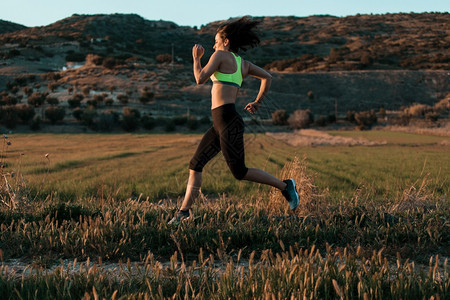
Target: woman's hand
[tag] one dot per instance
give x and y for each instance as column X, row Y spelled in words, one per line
column 198, row 51
column 252, row 107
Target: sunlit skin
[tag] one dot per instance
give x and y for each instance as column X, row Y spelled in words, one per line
column 223, row 61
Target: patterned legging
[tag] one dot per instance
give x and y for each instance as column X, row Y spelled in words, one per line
column 226, row 135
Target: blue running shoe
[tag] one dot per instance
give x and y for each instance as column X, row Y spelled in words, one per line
column 290, row 193
column 181, row 216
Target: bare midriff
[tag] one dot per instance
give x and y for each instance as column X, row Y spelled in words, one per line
column 222, row 94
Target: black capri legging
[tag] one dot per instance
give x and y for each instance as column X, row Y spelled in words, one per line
column 226, row 135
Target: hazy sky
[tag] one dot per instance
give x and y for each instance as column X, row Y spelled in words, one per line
column 199, row 12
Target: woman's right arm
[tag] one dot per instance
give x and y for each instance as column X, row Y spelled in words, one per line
column 202, row 74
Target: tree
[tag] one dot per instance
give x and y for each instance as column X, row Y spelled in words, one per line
column 52, row 101
column 9, row 116
column 75, row 101
column 365, row 119
column 146, row 96
column 300, row 119
column 122, row 98
column 25, row 112
column 280, row 117
column 37, row 99
column 109, row 63
column 55, row 114
column 27, row 90
column 130, row 119
column 52, row 86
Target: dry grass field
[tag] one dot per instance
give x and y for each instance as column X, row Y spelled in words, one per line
column 92, row 211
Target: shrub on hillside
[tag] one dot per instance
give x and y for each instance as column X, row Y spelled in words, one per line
column 401, row 120
column 51, row 76
column 417, row 110
column 92, row 103
column 52, row 101
column 280, row 117
column 27, row 90
column 77, row 113
column 14, row 89
column 109, row 63
column 443, row 105
column 109, row 101
column 9, row 116
column 148, row 122
column 75, row 101
column 351, row 116
column 107, row 120
column 52, row 86
column 94, row 59
column 432, row 116
column 146, row 96
column 365, row 119
column 88, row 117
column 55, row 114
column 37, row 99
column 112, row 88
column 7, row 99
column 164, row 58
column 130, row 119
column 321, row 121
column 122, row 98
column 300, row 119
column 99, row 98
column 25, row 112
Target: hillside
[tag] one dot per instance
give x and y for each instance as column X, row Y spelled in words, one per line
column 6, row 27
column 316, row 43
column 323, row 63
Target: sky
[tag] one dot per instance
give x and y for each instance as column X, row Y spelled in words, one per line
column 200, row 12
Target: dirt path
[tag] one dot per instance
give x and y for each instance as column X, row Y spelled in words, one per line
column 311, row 137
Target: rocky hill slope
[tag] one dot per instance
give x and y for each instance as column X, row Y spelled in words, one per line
column 6, row 27
column 316, row 43
column 323, row 63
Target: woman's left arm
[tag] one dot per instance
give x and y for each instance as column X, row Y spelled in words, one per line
column 266, row 80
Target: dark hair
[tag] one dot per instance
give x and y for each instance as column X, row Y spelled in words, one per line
column 240, row 33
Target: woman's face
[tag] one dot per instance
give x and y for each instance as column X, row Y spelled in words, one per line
column 220, row 43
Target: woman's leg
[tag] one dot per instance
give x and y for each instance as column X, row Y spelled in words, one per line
column 208, row 147
column 231, row 129
column 192, row 189
column 260, row 176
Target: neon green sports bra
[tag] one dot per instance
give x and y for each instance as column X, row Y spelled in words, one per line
column 234, row 79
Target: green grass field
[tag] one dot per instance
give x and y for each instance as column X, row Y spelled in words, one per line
column 157, row 165
column 373, row 222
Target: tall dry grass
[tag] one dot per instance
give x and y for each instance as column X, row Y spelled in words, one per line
column 311, row 197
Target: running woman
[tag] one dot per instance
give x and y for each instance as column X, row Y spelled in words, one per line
column 227, row 69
